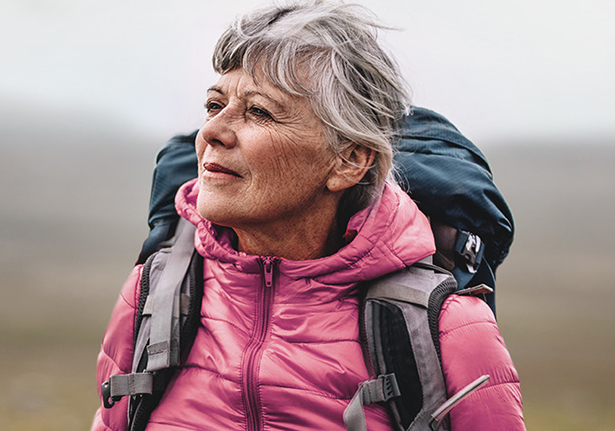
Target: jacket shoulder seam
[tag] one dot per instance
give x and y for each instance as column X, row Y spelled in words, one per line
column 465, row 325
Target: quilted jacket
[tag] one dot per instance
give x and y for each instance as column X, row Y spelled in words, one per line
column 278, row 345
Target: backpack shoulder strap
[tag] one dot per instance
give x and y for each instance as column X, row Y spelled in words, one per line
column 166, row 323
column 399, row 325
column 163, row 347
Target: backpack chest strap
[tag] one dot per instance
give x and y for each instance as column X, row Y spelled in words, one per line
column 120, row 385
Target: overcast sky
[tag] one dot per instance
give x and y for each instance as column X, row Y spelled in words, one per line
column 500, row 70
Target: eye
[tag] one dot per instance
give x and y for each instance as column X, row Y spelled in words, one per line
column 260, row 113
column 212, row 107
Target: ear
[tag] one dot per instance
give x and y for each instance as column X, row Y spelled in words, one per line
column 352, row 165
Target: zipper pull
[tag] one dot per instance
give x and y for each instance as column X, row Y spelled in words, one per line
column 448, row 405
column 268, row 270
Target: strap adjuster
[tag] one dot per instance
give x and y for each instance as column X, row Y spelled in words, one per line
column 120, row 385
column 378, row 390
column 108, row 400
column 470, row 247
column 390, row 388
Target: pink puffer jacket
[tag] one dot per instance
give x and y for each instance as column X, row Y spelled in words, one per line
column 278, row 346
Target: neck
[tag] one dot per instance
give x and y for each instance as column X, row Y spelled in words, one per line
column 309, row 238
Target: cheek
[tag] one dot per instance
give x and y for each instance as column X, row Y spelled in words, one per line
column 299, row 154
column 273, row 158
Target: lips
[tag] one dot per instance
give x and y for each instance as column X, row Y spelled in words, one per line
column 216, row 168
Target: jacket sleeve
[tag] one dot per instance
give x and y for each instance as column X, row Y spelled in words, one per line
column 116, row 352
column 471, row 345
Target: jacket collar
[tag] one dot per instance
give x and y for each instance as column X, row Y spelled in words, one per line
column 390, row 234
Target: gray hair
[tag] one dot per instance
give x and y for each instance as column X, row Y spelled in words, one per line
column 358, row 93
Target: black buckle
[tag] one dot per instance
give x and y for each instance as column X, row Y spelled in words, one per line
column 390, row 388
column 106, row 395
column 108, row 400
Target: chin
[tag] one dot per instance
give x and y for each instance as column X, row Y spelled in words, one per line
column 205, row 207
column 214, row 210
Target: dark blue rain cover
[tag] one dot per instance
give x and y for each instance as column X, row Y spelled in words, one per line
column 447, row 176
column 176, row 163
column 450, row 180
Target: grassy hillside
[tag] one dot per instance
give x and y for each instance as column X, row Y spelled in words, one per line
column 72, row 218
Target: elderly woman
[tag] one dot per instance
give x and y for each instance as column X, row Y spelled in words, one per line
column 294, row 208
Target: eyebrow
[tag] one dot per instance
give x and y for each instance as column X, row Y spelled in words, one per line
column 216, row 89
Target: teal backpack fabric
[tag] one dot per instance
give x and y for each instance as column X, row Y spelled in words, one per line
column 451, row 182
column 447, row 176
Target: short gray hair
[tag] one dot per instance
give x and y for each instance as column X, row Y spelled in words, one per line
column 359, row 92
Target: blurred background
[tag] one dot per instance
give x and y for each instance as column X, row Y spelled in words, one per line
column 90, row 90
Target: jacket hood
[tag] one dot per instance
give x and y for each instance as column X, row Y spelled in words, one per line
column 389, row 235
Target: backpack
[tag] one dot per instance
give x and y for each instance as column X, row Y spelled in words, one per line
column 442, row 171
column 398, row 329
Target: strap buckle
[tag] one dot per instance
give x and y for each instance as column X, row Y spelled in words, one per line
column 390, row 388
column 470, row 249
column 381, row 389
column 377, row 390
column 120, row 385
column 108, row 400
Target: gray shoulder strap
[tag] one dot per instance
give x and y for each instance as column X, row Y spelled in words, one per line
column 163, row 348
column 159, row 331
column 406, row 294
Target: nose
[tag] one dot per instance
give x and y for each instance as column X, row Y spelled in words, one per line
column 218, row 130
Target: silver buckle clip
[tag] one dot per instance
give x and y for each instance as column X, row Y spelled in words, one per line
column 470, row 251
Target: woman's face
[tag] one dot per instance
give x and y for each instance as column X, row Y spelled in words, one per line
column 262, row 156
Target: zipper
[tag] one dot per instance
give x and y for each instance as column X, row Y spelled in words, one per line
column 254, row 349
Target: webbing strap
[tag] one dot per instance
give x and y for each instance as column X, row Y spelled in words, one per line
column 121, row 385
column 163, row 350
column 399, row 292
column 372, row 391
column 184, row 305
